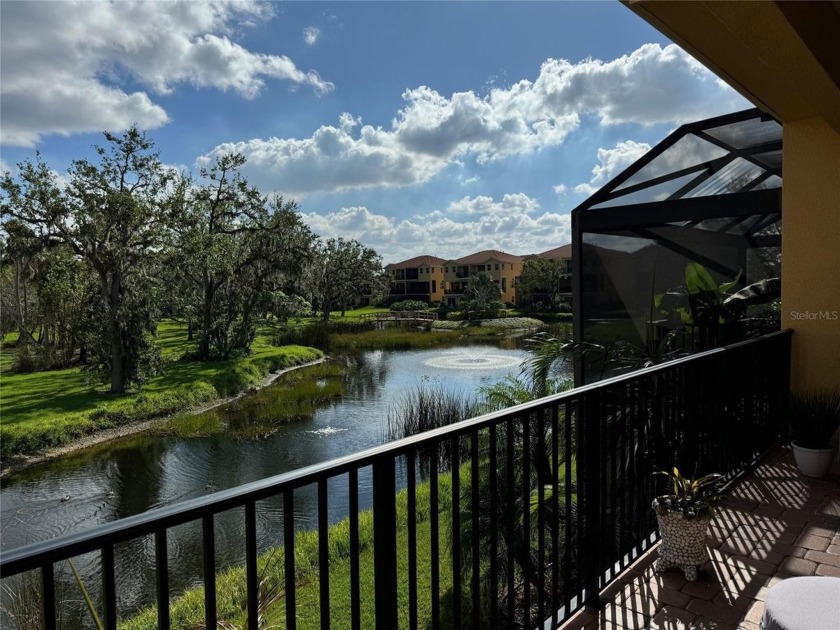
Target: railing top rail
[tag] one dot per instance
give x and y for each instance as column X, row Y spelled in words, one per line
column 24, row 558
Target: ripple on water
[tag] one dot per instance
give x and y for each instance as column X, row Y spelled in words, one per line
column 326, row 431
column 473, row 361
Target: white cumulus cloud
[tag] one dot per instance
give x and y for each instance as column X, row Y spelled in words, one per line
column 63, row 63
column 510, row 204
column 515, row 224
column 311, row 35
column 611, row 162
column 651, row 85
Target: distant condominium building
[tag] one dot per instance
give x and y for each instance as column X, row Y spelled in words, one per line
column 432, row 279
column 503, row 267
column 418, row 278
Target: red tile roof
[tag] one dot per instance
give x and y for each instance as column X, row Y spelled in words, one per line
column 417, row 261
column 485, row 256
column 564, row 251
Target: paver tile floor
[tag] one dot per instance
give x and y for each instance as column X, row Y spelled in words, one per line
column 775, row 524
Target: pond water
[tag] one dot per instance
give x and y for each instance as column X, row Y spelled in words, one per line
column 137, row 473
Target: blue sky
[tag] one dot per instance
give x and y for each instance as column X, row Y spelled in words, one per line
column 416, row 127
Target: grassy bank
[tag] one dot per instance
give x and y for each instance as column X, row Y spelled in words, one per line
column 188, row 609
column 298, row 395
column 46, row 409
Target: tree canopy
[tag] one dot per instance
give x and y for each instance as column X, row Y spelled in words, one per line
column 90, row 262
column 541, row 282
column 116, row 216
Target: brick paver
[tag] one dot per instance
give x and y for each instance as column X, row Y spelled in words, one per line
column 774, row 525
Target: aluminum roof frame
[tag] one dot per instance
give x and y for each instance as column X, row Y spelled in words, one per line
column 743, row 196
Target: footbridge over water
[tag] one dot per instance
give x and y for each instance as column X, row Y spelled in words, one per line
column 400, row 317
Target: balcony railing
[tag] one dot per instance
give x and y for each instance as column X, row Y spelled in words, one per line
column 525, row 513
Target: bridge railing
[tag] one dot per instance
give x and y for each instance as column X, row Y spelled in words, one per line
column 399, row 315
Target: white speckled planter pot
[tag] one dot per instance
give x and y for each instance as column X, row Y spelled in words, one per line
column 683, row 542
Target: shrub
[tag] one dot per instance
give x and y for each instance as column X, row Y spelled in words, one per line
column 318, row 335
column 350, row 326
column 35, row 358
column 409, row 305
column 475, row 315
column 424, row 408
column 314, row 336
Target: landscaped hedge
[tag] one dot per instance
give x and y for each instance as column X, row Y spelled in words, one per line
column 409, row 305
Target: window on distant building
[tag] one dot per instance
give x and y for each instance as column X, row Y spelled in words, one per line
column 504, row 285
column 497, row 266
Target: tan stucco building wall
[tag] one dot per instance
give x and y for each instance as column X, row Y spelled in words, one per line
column 811, row 251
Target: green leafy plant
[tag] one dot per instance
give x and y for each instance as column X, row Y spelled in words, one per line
column 814, row 417
column 691, row 497
column 703, row 302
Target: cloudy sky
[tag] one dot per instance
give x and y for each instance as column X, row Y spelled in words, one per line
column 416, row 127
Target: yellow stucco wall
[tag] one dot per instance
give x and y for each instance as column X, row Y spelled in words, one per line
column 811, row 252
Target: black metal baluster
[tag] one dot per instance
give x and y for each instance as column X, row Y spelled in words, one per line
column 209, row 552
column 355, row 587
column 569, row 553
column 454, row 446
column 434, row 525
column 541, row 515
column 251, row 576
column 644, row 419
column 109, row 592
column 592, row 486
column 526, row 518
column 48, row 590
column 289, row 558
column 323, row 555
column 612, row 443
column 412, row 539
column 476, row 552
column 494, row 525
column 510, row 508
column 385, row 543
column 603, row 478
column 554, row 600
column 633, row 440
column 162, row 579
column 621, row 511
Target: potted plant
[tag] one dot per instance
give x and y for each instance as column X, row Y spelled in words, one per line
column 814, row 418
column 684, row 516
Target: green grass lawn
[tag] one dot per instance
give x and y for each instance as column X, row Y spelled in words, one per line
column 44, row 409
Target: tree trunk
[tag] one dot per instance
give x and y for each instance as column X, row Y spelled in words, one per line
column 23, row 335
column 326, row 307
column 189, row 329
column 117, row 354
column 206, row 320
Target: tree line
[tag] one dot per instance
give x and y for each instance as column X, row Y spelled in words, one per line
column 91, row 262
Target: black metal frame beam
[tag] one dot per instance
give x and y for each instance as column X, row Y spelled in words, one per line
column 670, row 211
